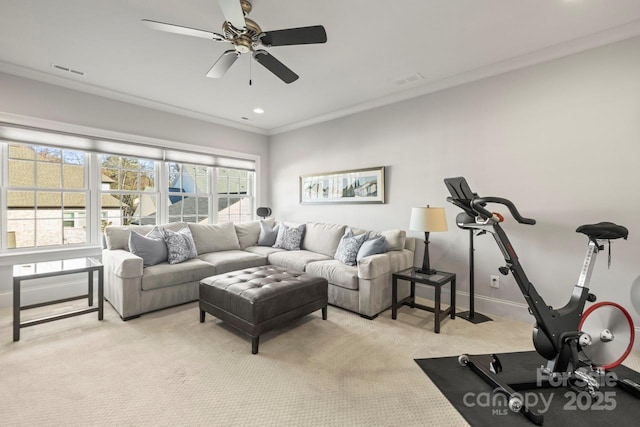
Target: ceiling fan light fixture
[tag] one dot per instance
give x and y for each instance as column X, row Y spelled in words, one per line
column 258, row 110
column 243, row 44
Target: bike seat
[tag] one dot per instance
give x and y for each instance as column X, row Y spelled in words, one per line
column 603, row 231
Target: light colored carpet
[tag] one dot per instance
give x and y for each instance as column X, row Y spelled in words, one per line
column 167, row 369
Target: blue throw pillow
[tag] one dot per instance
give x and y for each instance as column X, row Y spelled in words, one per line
column 267, row 235
column 377, row 245
column 151, row 248
column 348, row 247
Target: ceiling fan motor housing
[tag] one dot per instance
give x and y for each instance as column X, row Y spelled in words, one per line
column 244, row 40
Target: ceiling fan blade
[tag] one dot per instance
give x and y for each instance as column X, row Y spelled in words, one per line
column 223, row 63
column 233, row 13
column 276, row 67
column 292, row 36
column 185, row 31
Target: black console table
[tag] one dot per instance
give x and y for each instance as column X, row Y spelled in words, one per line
column 41, row 270
column 437, row 280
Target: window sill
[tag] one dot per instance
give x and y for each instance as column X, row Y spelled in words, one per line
column 12, row 258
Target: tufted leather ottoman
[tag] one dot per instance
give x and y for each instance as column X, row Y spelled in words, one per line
column 256, row 300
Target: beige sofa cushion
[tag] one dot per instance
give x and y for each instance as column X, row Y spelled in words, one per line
column 164, row 275
column 263, row 250
column 248, row 232
column 214, row 238
column 295, row 260
column 226, row 261
column 322, row 238
column 395, row 238
column 335, row 272
column 377, row 265
column 117, row 236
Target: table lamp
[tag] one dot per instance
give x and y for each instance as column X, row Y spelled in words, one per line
column 428, row 220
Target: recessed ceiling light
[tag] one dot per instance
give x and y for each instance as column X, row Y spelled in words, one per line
column 258, row 110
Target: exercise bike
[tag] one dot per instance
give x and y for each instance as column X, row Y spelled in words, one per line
column 579, row 346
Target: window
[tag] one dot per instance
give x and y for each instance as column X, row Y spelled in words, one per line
column 63, row 189
column 128, row 190
column 235, row 195
column 189, row 192
column 45, row 183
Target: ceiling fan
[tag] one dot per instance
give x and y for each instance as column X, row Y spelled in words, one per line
column 246, row 36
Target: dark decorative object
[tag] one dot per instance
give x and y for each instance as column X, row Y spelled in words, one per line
column 263, row 212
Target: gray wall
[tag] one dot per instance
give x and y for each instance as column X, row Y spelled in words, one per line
column 29, row 98
column 561, row 139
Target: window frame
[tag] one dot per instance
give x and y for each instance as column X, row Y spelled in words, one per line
column 36, row 190
column 120, row 192
column 93, row 198
column 250, row 193
column 208, row 194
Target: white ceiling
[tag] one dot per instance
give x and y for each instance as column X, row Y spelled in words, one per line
column 371, row 45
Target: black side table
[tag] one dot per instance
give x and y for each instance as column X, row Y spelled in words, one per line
column 437, row 280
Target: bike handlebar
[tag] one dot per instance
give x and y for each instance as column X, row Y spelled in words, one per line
column 478, row 204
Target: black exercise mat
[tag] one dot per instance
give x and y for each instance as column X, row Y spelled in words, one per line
column 476, row 402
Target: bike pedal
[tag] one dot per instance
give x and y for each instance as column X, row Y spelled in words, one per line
column 495, row 366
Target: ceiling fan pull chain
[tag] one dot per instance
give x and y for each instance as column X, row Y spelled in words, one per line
column 250, row 70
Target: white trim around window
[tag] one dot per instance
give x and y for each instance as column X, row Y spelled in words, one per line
column 93, row 179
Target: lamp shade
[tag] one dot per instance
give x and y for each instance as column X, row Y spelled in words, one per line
column 428, row 219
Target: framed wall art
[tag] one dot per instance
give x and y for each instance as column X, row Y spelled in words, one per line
column 352, row 186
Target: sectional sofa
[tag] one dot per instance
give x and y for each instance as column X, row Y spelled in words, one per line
column 133, row 288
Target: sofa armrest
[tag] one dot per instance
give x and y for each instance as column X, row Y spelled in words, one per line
column 389, row 262
column 122, row 263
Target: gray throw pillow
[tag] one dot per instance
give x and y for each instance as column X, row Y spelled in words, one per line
column 377, row 245
column 151, row 248
column 289, row 238
column 348, row 247
column 180, row 245
column 267, row 235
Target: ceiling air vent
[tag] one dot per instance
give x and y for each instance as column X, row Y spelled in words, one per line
column 67, row 69
column 409, row 79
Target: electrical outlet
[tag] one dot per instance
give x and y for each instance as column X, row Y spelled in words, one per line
column 494, row 281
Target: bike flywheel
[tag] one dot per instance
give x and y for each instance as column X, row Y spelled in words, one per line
column 612, row 334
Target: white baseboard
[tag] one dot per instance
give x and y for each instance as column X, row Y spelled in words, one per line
column 486, row 305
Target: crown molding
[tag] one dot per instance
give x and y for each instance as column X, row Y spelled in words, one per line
column 29, row 73
column 560, row 50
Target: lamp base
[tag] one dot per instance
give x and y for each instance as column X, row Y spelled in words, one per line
column 429, row 272
column 474, row 318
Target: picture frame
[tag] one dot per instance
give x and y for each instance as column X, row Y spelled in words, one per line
column 343, row 187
